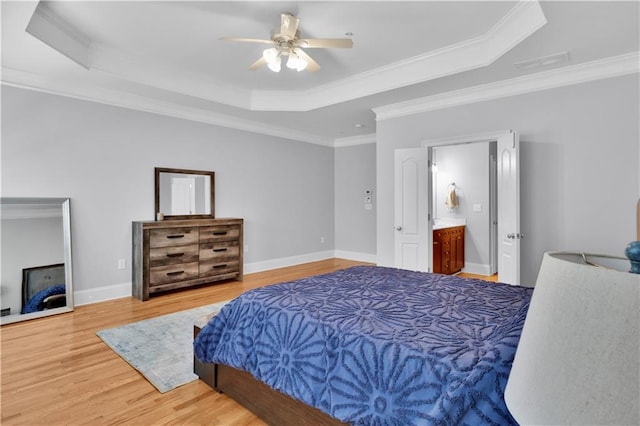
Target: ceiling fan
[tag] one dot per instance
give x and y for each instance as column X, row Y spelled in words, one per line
column 286, row 41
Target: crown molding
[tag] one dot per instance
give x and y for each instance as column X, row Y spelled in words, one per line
column 596, row 70
column 354, row 140
column 55, row 32
column 89, row 92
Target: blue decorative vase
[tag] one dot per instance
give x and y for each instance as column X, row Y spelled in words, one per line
column 633, row 253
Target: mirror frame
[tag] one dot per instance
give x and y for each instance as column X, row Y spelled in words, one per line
column 159, row 170
column 68, row 267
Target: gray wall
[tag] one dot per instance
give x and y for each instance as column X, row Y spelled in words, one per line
column 103, row 158
column 355, row 168
column 580, row 164
column 580, row 180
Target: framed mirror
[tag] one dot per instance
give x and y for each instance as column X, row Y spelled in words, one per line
column 36, row 278
column 184, row 194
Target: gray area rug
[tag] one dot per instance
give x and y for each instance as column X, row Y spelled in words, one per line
column 160, row 348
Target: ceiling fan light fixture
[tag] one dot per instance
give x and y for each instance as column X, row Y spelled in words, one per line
column 302, row 65
column 293, row 60
column 275, row 64
column 270, row 54
column 286, row 41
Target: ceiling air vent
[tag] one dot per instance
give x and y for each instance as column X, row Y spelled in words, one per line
column 556, row 58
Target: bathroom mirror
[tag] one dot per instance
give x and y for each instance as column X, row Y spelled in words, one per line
column 184, row 194
column 36, row 277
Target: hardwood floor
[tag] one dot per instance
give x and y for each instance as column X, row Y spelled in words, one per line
column 57, row 371
column 493, row 278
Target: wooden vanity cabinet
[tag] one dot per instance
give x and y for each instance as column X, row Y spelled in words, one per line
column 174, row 254
column 448, row 250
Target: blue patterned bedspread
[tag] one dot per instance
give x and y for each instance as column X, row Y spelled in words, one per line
column 375, row 345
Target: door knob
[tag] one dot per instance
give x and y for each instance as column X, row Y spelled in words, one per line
column 398, row 228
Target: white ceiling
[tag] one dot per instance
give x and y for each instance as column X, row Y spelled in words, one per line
column 166, row 57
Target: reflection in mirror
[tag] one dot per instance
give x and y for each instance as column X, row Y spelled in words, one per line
column 184, row 194
column 35, row 258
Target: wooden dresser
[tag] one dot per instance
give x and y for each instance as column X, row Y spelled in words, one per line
column 173, row 254
column 448, row 250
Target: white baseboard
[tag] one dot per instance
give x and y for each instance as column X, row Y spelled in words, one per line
column 266, row 265
column 101, row 294
column 116, row 291
column 358, row 257
column 477, row 268
column 283, row 262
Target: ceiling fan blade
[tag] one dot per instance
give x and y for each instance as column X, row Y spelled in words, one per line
column 247, row 40
column 257, row 64
column 312, row 65
column 288, row 25
column 341, row 43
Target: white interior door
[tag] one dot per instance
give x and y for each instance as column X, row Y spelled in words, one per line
column 411, row 210
column 509, row 208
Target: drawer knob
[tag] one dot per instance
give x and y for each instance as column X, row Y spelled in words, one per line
column 219, row 266
column 175, row 254
column 218, row 233
column 175, row 236
column 170, row 274
column 220, row 249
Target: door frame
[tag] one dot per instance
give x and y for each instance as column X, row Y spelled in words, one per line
column 460, row 140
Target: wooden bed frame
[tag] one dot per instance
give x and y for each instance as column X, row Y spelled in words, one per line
column 270, row 405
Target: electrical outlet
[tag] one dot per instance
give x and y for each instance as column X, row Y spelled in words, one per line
column 122, row 264
column 246, row 248
column 321, row 240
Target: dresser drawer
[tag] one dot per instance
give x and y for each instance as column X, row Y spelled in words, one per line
column 172, row 236
column 209, row 234
column 216, row 267
column 172, row 255
column 172, row 273
column 222, row 250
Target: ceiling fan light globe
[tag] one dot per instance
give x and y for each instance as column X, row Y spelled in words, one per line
column 302, row 65
column 293, row 61
column 275, row 64
column 270, row 54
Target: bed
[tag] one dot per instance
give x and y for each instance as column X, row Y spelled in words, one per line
column 367, row 345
